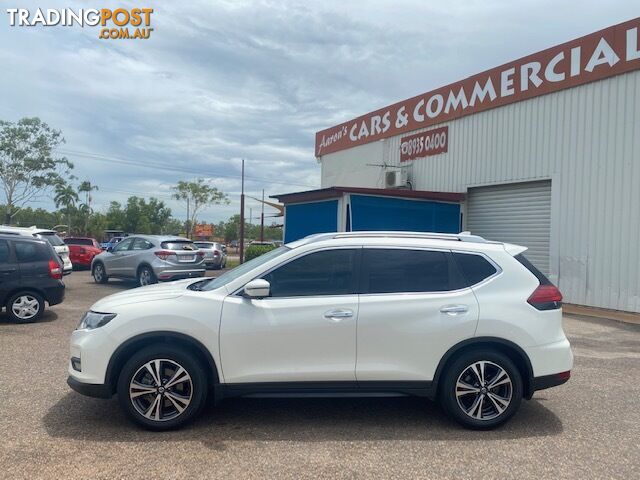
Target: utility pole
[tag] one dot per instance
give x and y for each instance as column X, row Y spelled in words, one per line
column 188, row 222
column 241, row 253
column 262, row 219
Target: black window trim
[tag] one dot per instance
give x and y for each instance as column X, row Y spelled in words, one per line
column 358, row 248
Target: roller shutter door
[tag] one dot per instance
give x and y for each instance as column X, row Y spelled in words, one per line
column 517, row 213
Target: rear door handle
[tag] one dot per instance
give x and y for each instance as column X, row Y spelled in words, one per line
column 338, row 314
column 454, row 309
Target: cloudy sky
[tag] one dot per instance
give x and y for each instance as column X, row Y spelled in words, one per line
column 219, row 81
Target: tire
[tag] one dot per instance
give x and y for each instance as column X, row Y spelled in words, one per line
column 475, row 404
column 25, row 307
column 162, row 405
column 99, row 273
column 146, row 276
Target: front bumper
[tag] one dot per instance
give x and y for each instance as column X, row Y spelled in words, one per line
column 97, row 390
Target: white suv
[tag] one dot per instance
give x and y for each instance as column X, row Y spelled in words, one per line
column 50, row 236
column 453, row 317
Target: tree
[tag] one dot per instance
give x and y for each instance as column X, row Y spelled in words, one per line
column 28, row 167
column 66, row 197
column 86, row 187
column 197, row 195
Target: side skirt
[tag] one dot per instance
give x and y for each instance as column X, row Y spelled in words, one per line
column 324, row 389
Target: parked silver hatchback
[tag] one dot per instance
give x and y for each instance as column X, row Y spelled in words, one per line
column 215, row 254
column 149, row 259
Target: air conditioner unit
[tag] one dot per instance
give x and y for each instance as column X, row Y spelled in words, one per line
column 396, row 178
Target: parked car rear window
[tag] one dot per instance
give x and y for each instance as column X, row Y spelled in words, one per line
column 330, row 272
column 475, row 268
column 179, row 245
column 206, row 246
column 52, row 238
column 4, row 251
column 400, row 270
column 31, row 252
column 78, row 241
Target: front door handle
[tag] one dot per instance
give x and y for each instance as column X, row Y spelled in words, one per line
column 454, row 309
column 338, row 314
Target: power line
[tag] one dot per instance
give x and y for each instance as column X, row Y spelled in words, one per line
column 139, row 163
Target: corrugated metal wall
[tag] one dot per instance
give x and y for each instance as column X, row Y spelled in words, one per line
column 585, row 139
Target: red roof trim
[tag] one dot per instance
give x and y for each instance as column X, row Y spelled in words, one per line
column 337, row 192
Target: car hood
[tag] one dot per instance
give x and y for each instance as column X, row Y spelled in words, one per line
column 161, row 291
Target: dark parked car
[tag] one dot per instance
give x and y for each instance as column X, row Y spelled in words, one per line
column 30, row 275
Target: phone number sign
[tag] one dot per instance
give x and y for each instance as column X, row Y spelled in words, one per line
column 424, row 144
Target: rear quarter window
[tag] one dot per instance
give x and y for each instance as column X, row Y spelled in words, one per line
column 474, row 268
column 31, row 252
column 542, row 278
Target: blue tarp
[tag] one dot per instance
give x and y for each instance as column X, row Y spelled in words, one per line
column 303, row 219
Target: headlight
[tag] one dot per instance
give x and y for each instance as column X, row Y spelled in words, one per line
column 92, row 320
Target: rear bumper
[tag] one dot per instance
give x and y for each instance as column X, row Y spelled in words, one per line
column 548, row 381
column 97, row 390
column 55, row 295
column 178, row 274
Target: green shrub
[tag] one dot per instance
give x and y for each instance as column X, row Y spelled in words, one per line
column 254, row 251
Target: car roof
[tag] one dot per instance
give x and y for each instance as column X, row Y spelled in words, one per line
column 160, row 238
column 457, row 241
column 27, row 230
column 22, row 238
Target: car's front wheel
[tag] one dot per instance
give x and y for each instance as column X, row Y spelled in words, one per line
column 99, row 273
column 482, row 389
column 162, row 387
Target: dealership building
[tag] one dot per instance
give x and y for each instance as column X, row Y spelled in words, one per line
column 543, row 151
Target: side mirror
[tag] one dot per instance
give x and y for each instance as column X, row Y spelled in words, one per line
column 257, row 288
column 109, row 248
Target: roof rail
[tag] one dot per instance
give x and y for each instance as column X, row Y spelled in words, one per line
column 457, row 237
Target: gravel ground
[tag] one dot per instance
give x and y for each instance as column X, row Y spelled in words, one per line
column 585, row 429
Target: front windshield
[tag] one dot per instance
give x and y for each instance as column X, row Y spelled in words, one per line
column 244, row 268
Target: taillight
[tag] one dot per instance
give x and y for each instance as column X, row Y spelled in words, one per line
column 216, row 253
column 546, row 297
column 55, row 270
column 164, row 254
column 200, row 253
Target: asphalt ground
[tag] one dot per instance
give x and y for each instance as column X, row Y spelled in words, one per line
column 588, row 428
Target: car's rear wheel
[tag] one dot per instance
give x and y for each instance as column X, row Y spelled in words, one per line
column 99, row 273
column 162, row 387
column 482, row 389
column 25, row 307
column 146, row 276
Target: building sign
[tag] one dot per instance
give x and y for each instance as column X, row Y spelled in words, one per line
column 609, row 52
column 424, row 144
column 203, row 230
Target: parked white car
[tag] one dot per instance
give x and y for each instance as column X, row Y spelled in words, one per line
column 450, row 317
column 45, row 234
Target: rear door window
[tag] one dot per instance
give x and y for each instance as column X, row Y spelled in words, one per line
column 405, row 271
column 475, row 268
column 31, row 252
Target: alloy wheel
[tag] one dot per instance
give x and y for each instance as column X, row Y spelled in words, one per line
column 25, row 307
column 484, row 390
column 98, row 272
column 145, row 277
column 161, row 390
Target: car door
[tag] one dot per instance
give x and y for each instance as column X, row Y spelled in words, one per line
column 304, row 331
column 413, row 308
column 116, row 262
column 9, row 272
column 137, row 254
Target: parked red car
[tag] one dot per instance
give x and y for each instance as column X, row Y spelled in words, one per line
column 82, row 250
